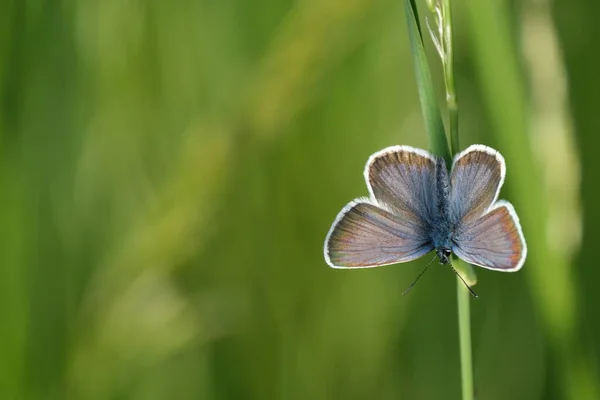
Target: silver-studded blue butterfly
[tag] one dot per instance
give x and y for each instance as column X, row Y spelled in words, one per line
column 415, row 207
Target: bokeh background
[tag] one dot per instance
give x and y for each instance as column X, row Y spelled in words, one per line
column 169, row 170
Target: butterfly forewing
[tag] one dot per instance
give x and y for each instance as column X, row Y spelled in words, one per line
column 366, row 235
column 493, row 241
column 475, row 181
column 403, row 178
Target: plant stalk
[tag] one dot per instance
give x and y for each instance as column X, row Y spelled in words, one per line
column 448, row 67
column 462, row 293
column 439, row 145
column 464, row 332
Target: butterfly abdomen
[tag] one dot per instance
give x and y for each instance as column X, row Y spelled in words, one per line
column 441, row 232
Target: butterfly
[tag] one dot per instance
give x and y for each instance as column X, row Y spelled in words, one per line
column 416, row 206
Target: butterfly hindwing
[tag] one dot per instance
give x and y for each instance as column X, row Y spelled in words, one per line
column 494, row 241
column 366, row 235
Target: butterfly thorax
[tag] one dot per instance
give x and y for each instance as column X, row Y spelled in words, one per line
column 444, row 255
column 442, row 227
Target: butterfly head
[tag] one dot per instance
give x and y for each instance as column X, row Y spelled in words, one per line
column 444, row 254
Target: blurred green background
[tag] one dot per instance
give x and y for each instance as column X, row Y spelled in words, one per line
column 169, row 170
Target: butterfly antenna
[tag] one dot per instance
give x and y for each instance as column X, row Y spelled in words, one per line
column 463, row 281
column 418, row 276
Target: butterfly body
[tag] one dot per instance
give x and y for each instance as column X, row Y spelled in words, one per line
column 416, row 206
column 443, row 224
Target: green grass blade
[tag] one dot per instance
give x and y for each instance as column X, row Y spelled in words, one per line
column 431, row 113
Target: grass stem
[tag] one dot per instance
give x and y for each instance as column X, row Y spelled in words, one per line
column 464, row 332
column 448, row 66
column 463, row 296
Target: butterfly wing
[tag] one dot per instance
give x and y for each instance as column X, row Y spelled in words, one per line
column 393, row 225
column 475, row 180
column 494, row 241
column 403, row 178
column 366, row 235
